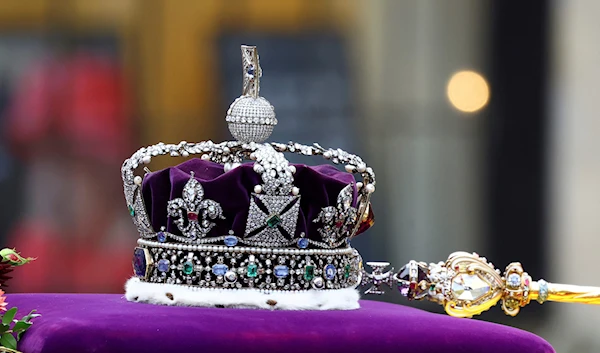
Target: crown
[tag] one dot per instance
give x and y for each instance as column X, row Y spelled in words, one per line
column 241, row 226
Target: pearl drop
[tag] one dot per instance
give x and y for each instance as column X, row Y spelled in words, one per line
column 205, row 157
column 370, row 188
column 327, row 154
column 235, row 165
column 295, row 191
column 146, row 159
column 359, row 185
column 293, row 169
column 257, row 189
column 185, row 154
column 137, row 180
column 349, row 168
column 361, row 168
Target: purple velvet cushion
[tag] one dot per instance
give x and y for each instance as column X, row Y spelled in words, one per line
column 319, row 187
column 107, row 323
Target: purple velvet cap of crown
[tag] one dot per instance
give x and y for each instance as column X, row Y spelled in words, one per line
column 319, row 187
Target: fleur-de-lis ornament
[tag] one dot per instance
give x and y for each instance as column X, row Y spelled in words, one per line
column 198, row 211
column 337, row 220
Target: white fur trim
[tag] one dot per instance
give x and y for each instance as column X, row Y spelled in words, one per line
column 154, row 293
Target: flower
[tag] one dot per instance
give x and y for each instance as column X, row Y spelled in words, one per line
column 3, row 302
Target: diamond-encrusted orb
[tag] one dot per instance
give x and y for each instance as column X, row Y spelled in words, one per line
column 251, row 119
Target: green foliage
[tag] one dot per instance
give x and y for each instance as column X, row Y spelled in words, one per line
column 11, row 327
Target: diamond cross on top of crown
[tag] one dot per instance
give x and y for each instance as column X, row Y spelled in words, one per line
column 251, row 118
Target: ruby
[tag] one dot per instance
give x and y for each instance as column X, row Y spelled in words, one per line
column 407, row 286
column 368, row 221
column 192, row 216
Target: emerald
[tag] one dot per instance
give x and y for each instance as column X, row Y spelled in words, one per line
column 188, row 267
column 309, row 272
column 273, row 221
column 252, row 270
column 347, row 271
column 131, row 210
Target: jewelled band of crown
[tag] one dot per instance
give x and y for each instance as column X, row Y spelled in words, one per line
column 467, row 285
column 231, row 154
column 286, row 269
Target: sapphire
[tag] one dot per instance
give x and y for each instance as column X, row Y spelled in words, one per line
column 219, row 269
column 161, row 236
column 139, row 262
column 281, row 271
column 163, row 265
column 303, row 243
column 230, row 240
column 330, row 271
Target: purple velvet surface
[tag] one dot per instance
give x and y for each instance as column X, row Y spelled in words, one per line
column 319, row 187
column 104, row 323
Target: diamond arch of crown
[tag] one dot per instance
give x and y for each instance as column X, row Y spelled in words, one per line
column 231, row 154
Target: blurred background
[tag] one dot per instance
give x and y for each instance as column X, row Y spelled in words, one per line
column 479, row 117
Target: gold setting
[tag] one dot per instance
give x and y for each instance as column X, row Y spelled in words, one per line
column 467, row 285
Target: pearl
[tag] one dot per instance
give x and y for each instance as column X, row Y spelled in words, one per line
column 185, row 154
column 137, row 180
column 293, row 169
column 205, row 157
column 295, row 191
column 257, row 189
column 349, row 168
column 146, row 159
column 359, row 185
column 227, row 167
column 361, row 168
column 235, row 165
column 327, row 154
column 370, row 188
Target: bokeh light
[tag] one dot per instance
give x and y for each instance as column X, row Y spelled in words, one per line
column 468, row 91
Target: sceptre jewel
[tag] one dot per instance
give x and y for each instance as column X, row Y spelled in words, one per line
column 234, row 228
column 467, row 285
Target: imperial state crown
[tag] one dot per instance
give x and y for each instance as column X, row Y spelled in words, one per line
column 241, row 226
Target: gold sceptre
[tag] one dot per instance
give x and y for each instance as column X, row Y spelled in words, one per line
column 467, row 284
